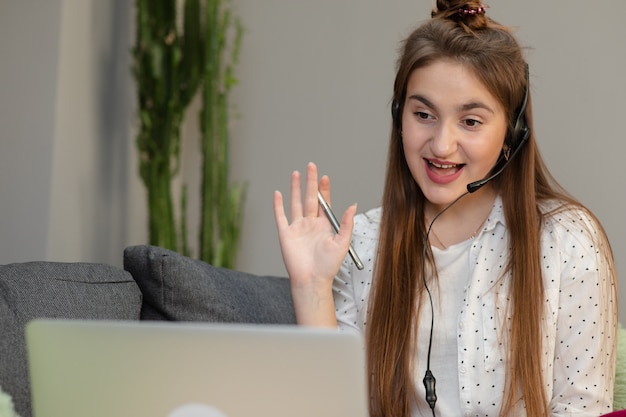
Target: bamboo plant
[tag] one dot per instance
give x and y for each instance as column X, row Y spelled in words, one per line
column 173, row 61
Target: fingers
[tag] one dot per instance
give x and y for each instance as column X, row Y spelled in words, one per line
column 279, row 211
column 324, row 188
column 347, row 224
column 296, row 197
column 311, row 206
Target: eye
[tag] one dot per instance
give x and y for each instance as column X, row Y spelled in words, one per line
column 471, row 123
column 423, row 115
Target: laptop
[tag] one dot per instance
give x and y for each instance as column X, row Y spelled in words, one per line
column 165, row 369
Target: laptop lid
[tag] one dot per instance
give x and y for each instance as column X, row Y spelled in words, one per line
column 165, row 369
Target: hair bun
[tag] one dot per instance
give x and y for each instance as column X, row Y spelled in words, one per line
column 468, row 13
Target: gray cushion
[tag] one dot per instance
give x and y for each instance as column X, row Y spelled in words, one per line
column 176, row 287
column 55, row 290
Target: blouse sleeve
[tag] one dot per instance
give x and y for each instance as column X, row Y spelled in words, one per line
column 586, row 317
column 351, row 286
column 345, row 303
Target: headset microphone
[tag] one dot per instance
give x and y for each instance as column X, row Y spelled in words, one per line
column 521, row 133
column 476, row 185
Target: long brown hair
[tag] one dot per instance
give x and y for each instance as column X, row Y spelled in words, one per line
column 491, row 52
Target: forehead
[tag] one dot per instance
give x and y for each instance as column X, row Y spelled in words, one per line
column 447, row 82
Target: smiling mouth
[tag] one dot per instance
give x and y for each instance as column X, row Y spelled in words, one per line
column 443, row 168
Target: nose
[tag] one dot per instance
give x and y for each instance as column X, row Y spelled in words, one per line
column 444, row 141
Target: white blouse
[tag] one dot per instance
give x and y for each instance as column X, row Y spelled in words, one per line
column 468, row 357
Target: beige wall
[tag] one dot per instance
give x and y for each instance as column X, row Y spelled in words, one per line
column 67, row 176
column 90, row 163
column 28, row 72
column 315, row 84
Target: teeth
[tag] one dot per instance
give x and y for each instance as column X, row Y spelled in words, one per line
column 441, row 166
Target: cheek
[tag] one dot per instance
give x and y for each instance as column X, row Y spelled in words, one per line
column 489, row 151
column 411, row 148
column 413, row 139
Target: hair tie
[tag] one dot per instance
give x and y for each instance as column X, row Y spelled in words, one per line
column 464, row 11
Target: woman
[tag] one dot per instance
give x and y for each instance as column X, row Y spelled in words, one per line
column 503, row 289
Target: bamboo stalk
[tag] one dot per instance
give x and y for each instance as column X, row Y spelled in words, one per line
column 170, row 65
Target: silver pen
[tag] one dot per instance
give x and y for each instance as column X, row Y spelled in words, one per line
column 335, row 223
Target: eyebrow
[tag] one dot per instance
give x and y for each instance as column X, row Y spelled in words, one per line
column 463, row 107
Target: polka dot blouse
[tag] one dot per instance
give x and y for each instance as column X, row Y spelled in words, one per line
column 468, row 350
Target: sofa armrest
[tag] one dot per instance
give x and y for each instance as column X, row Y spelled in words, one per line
column 55, row 290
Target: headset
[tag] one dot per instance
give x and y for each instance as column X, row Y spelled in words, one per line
column 515, row 139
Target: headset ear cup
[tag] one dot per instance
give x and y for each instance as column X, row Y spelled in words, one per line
column 524, row 133
column 395, row 114
column 521, row 130
column 520, row 134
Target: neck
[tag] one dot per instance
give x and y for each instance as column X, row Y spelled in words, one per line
column 462, row 220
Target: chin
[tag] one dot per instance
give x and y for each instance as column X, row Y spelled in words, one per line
column 442, row 197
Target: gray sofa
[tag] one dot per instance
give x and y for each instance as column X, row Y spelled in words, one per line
column 155, row 284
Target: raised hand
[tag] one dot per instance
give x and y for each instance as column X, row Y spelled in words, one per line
column 311, row 250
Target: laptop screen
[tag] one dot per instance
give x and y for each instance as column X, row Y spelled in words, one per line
column 150, row 369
